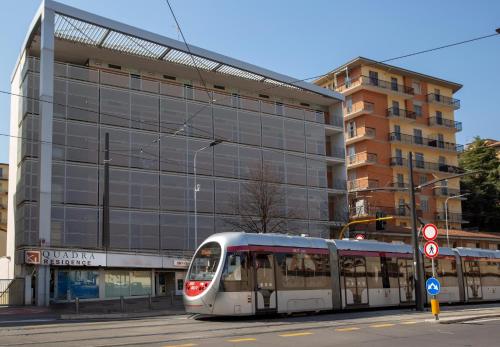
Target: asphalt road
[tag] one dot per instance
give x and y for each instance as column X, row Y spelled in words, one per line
column 385, row 328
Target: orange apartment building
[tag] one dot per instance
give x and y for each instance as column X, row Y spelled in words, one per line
column 4, row 174
column 389, row 112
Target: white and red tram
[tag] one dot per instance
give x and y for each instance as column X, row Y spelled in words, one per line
column 247, row 274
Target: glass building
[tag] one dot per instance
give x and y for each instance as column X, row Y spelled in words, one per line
column 81, row 77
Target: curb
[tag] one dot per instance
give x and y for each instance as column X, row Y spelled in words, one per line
column 80, row 316
column 467, row 318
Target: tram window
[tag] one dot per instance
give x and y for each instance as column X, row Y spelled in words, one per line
column 205, row 262
column 300, row 271
column 235, row 273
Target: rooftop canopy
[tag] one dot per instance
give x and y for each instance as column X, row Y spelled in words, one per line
column 77, row 26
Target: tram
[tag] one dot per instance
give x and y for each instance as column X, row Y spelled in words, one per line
column 251, row 274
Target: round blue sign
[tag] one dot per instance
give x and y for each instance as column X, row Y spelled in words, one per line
column 433, row 286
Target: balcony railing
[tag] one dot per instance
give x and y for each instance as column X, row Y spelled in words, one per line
column 362, row 158
column 447, row 123
column 335, row 152
column 423, row 141
column 366, row 132
column 371, row 81
column 453, row 217
column 425, row 165
column 371, row 211
column 362, row 183
column 359, row 107
column 445, row 191
column 401, row 113
column 337, row 184
column 443, row 100
column 334, row 120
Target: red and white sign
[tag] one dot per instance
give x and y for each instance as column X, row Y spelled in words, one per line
column 430, row 232
column 431, row 249
column 32, row 257
column 360, row 237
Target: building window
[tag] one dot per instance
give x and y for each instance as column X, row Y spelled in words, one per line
column 395, row 108
column 422, row 179
column 373, row 77
column 419, row 160
column 400, row 180
column 417, row 108
column 416, row 87
column 417, row 134
column 424, row 204
column 440, row 140
column 71, row 284
column 394, row 83
column 127, row 283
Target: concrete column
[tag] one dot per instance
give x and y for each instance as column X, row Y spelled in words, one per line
column 27, row 290
column 46, row 123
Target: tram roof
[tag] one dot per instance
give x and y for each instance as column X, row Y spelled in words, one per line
column 370, row 246
column 277, row 240
column 478, row 253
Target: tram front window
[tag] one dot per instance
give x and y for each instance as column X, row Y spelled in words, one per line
column 205, row 262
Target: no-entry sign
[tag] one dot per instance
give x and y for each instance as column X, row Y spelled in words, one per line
column 430, row 232
column 431, row 249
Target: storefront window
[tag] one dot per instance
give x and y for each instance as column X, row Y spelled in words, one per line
column 117, row 284
column 82, row 284
column 140, row 283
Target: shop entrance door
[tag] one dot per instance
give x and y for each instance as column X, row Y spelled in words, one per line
column 165, row 283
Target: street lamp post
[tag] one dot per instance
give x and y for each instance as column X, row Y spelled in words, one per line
column 446, row 213
column 197, row 188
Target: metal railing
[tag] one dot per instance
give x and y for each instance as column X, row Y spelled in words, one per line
column 369, row 210
column 337, row 184
column 444, row 100
column 447, row 123
column 425, row 165
column 335, row 152
column 359, row 106
column 4, row 291
column 361, row 131
column 376, row 82
column 401, row 113
column 423, row 141
column 334, row 120
column 445, row 191
column 452, row 217
column 362, row 158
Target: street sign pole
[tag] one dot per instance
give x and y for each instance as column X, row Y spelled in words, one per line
column 434, row 301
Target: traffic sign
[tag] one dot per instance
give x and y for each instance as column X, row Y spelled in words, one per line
column 430, row 232
column 431, row 249
column 433, row 286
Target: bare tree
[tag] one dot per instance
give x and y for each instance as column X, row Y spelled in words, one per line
column 261, row 204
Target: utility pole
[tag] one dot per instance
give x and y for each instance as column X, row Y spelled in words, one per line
column 105, row 197
column 418, row 276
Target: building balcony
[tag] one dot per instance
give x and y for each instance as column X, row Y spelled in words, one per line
column 337, row 184
column 445, row 123
column 446, row 192
column 453, row 217
column 362, row 183
column 376, row 85
column 359, row 134
column 357, row 109
column 425, row 166
column 334, row 121
column 335, row 154
column 401, row 114
column 443, row 101
column 361, row 159
column 425, row 142
column 368, row 211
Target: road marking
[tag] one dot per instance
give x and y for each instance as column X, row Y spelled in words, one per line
column 385, row 325
column 409, row 322
column 482, row 320
column 347, row 329
column 296, row 334
column 184, row 345
column 243, row 339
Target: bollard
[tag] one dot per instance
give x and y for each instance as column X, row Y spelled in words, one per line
column 435, row 308
column 150, row 302
column 122, row 304
column 77, row 305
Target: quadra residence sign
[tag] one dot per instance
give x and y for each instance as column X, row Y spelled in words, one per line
column 63, row 257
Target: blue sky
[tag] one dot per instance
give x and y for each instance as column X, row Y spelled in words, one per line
column 304, row 39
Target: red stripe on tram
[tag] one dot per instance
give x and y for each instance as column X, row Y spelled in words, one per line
column 278, row 249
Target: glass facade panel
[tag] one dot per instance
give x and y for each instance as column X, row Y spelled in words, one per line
column 115, row 107
column 318, row 204
column 173, row 193
column 226, row 197
column 140, row 283
column 144, row 111
column 249, row 159
column 174, row 231
column 226, row 160
column 294, row 136
column 83, row 101
column 226, row 124
column 117, row 283
column 315, row 139
column 82, row 284
column 144, row 231
column 296, row 201
column 295, row 170
column 272, row 132
column 249, row 128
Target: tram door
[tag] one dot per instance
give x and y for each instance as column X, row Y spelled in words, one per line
column 473, row 280
column 355, row 283
column 265, row 282
column 406, row 283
